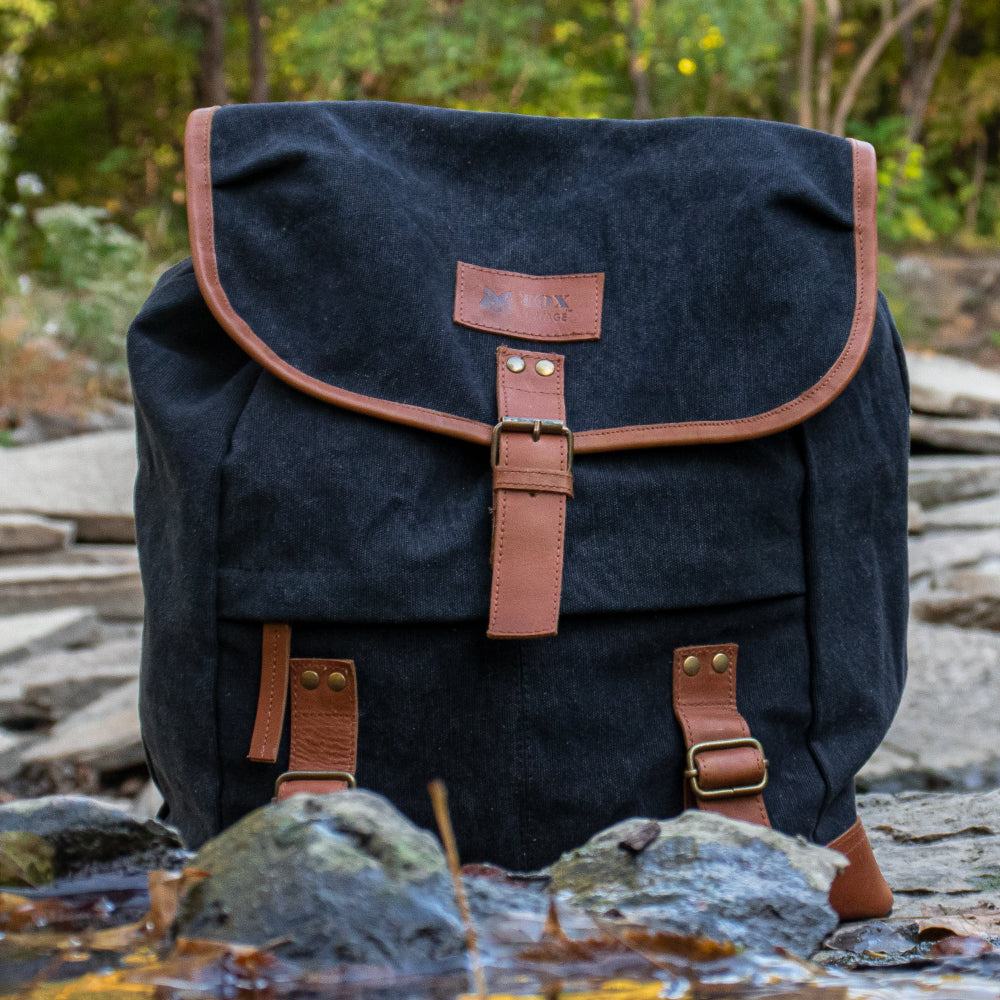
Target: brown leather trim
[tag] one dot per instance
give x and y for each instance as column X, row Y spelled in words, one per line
column 200, row 220
column 528, row 520
column 273, row 697
column 860, row 891
column 705, row 707
column 197, row 151
column 324, row 726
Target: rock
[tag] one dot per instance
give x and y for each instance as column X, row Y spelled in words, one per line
column 936, row 848
column 30, row 533
column 87, row 479
column 148, row 802
column 967, row 515
column 935, row 554
column 955, row 434
column 941, row 479
column 337, row 879
column 105, row 734
column 706, row 875
column 21, row 635
column 25, row 859
column 83, row 832
column 115, row 590
column 49, row 686
column 915, row 522
column 946, row 664
column 969, row 598
column 951, row 387
column 12, row 745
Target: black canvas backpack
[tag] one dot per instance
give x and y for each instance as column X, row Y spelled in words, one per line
column 564, row 460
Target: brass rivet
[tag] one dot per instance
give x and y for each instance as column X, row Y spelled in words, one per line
column 310, row 680
column 545, row 367
column 337, row 681
column 515, row 364
column 720, row 663
column 691, row 666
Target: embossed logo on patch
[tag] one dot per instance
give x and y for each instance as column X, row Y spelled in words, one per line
column 528, row 306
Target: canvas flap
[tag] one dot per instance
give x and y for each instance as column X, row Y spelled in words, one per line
column 735, row 259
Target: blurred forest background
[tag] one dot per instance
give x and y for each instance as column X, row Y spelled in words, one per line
column 94, row 95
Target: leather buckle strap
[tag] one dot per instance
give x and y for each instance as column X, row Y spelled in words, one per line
column 724, row 793
column 726, row 768
column 343, row 776
column 532, row 460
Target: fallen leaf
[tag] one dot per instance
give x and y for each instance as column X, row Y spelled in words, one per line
column 966, row 947
column 25, row 859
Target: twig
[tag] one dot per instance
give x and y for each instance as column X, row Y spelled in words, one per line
column 439, row 801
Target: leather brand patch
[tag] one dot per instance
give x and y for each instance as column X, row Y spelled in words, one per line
column 532, row 307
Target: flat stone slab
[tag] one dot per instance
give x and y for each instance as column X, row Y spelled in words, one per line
column 968, row 515
column 47, row 687
column 941, row 479
column 86, row 479
column 969, row 598
column 935, row 554
column 955, row 434
column 936, row 849
column 951, row 387
column 114, row 590
column 31, row 533
column 948, row 717
column 105, row 734
column 23, row 634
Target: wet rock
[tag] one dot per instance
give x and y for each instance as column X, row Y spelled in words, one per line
column 955, row 434
column 936, row 849
column 114, row 589
column 86, row 479
column 941, row 479
column 82, row 832
column 29, row 533
column 21, row 635
column 706, row 875
column 104, row 734
column 951, row 387
column 338, row 879
column 945, row 664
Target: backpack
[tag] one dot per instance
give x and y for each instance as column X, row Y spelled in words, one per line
column 565, row 460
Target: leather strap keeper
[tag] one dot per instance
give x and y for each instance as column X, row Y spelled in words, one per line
column 726, row 770
column 324, row 728
column 532, row 458
column 860, row 891
column 273, row 697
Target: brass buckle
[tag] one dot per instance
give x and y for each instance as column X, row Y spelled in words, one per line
column 536, row 428
column 315, row 776
column 723, row 793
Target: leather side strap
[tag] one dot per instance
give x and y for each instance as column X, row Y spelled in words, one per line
column 273, row 694
column 860, row 891
column 531, row 482
column 728, row 778
column 324, row 733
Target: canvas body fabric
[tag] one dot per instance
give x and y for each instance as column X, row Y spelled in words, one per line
column 319, row 394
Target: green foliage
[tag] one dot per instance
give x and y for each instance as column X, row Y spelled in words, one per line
column 103, row 269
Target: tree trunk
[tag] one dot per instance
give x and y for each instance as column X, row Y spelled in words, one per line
column 807, row 55
column 824, row 85
column 211, row 82
column 638, row 61
column 925, row 82
column 978, row 182
column 869, row 57
column 259, row 89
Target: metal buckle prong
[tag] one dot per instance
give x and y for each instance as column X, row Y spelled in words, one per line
column 723, row 793
column 536, row 428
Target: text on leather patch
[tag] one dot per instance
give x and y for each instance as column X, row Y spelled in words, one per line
column 529, row 306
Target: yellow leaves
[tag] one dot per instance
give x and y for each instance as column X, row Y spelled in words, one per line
column 687, row 67
column 563, row 31
column 712, row 39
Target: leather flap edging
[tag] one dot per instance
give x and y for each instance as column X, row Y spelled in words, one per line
column 197, row 147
